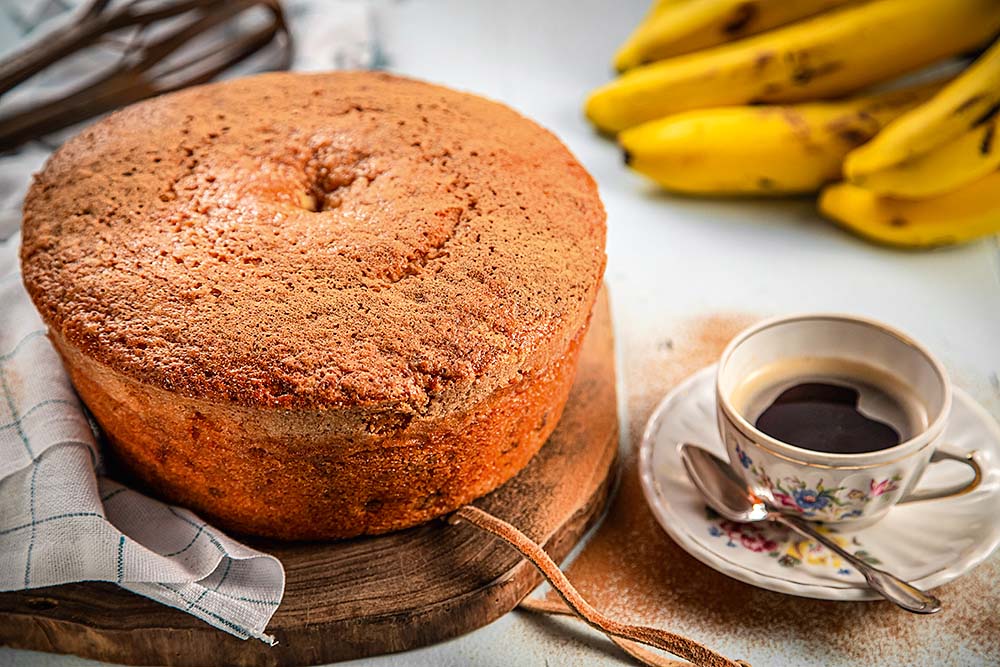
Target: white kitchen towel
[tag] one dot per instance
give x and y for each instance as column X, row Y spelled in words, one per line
column 61, row 519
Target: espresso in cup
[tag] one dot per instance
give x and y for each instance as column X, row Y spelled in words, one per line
column 835, row 417
column 837, row 406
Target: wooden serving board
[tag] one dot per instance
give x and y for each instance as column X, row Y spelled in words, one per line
column 374, row 595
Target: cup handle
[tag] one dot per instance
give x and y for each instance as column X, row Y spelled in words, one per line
column 968, row 458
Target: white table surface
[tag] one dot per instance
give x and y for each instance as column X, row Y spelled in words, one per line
column 672, row 261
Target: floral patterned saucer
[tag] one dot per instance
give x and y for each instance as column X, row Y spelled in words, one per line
column 927, row 543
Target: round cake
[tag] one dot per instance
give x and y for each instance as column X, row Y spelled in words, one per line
column 317, row 306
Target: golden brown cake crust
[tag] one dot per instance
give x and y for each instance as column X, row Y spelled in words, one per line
column 317, row 241
column 291, row 474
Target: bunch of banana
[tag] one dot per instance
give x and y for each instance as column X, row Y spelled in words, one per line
column 748, row 97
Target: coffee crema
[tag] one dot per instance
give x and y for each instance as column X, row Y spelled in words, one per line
column 834, row 406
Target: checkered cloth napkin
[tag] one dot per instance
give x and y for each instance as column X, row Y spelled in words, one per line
column 61, row 519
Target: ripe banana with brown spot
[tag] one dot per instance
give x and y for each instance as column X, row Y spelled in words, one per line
column 962, row 215
column 834, row 53
column 941, row 145
column 676, row 28
column 761, row 150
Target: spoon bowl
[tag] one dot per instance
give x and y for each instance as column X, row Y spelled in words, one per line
column 720, row 487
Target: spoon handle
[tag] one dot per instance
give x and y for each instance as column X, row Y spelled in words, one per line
column 890, row 587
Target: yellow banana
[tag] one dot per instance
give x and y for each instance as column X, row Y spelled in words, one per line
column 938, row 146
column 962, row 160
column 831, row 54
column 762, row 150
column 968, row 213
column 675, row 28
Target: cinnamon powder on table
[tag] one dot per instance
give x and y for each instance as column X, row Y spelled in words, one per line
column 630, row 569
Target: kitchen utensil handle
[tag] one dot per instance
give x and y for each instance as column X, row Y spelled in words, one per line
column 889, row 586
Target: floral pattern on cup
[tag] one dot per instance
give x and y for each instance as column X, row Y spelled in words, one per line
column 816, row 501
column 785, row 546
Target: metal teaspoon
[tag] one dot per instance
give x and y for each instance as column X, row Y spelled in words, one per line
column 729, row 495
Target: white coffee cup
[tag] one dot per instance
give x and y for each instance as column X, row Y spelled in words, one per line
column 834, row 487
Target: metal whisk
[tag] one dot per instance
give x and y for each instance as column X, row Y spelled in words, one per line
column 164, row 45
